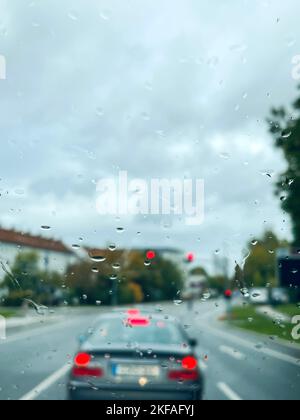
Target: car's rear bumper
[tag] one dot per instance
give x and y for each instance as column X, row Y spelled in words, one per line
column 79, row 392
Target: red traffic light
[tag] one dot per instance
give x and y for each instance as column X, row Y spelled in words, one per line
column 228, row 293
column 190, row 257
column 151, row 255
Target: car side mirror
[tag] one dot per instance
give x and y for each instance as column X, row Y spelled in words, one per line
column 193, row 342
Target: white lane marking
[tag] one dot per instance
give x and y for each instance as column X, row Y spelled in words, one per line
column 244, row 343
column 231, row 352
column 228, row 392
column 46, row 384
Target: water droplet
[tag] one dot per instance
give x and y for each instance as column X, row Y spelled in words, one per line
column 19, row 191
column 245, row 292
column 178, row 302
column 147, row 263
column 84, row 297
column 75, row 246
column 73, row 16
column 286, row 134
column 105, row 14
column 254, row 242
column 40, row 309
column 112, row 247
column 116, row 266
column 45, row 227
column 98, row 302
column 120, row 229
column 100, row 112
column 145, row 116
column 98, row 258
column 95, row 270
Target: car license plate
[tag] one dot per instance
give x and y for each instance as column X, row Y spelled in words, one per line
column 135, row 370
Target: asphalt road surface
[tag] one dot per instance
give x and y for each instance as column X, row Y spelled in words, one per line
column 238, row 366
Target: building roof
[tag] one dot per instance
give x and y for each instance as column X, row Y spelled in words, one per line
column 36, row 242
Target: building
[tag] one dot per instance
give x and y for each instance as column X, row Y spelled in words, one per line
column 54, row 256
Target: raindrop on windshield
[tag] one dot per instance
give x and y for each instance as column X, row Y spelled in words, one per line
column 73, row 16
column 286, row 134
column 178, row 302
column 98, row 258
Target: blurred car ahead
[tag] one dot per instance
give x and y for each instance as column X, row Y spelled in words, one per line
column 136, row 357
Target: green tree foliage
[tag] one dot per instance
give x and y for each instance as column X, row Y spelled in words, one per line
column 133, row 281
column 199, row 271
column 260, row 267
column 285, row 128
column 27, row 281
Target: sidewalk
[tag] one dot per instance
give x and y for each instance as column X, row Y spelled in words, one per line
column 273, row 314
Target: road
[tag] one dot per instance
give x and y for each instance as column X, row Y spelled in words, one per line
column 237, row 365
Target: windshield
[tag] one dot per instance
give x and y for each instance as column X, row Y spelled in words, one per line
column 150, row 164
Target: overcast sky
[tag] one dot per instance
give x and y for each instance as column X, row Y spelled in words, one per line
column 172, row 88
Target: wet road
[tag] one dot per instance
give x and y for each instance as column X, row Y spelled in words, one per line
column 237, row 365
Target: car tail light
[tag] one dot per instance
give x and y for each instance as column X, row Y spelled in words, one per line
column 82, row 359
column 138, row 322
column 189, row 363
column 87, row 371
column 183, row 375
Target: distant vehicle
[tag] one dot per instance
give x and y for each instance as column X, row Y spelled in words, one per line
column 136, row 357
column 279, row 296
column 259, row 296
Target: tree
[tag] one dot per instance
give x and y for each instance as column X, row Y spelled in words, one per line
column 125, row 275
column 260, row 267
column 199, row 271
column 24, row 273
column 26, row 281
column 285, row 128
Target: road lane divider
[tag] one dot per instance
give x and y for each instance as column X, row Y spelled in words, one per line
column 228, row 392
column 46, row 384
column 231, row 352
column 250, row 345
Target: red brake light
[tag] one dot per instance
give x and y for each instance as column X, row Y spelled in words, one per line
column 184, row 375
column 151, row 255
column 86, row 371
column 82, row 359
column 189, row 363
column 138, row 322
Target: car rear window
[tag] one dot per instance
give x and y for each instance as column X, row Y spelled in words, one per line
column 119, row 331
